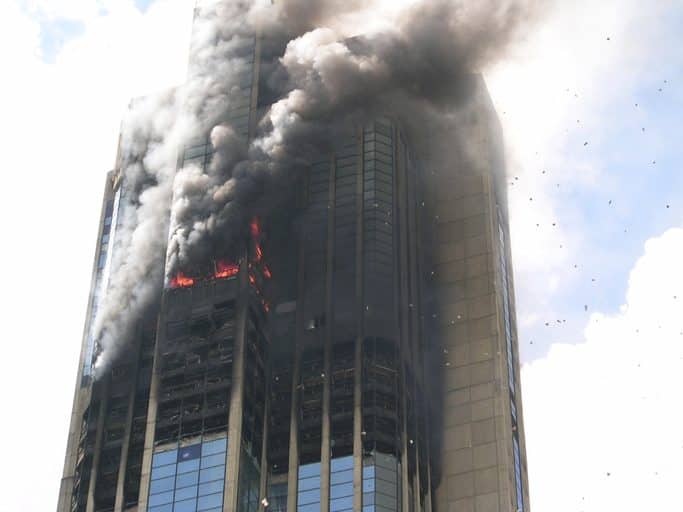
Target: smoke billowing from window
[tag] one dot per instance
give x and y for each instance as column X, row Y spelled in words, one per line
column 419, row 71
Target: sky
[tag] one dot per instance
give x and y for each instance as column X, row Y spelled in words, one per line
column 590, row 103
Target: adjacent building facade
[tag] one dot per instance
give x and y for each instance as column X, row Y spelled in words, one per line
column 359, row 354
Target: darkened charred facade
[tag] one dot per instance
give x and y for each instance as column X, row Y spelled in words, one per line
column 356, row 352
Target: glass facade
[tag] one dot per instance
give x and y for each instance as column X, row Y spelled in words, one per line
column 308, row 497
column 277, row 497
column 189, row 478
column 381, row 483
column 341, row 484
column 104, row 256
column 510, row 363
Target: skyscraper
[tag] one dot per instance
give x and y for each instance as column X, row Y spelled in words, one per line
column 355, row 351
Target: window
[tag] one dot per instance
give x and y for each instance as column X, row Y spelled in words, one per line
column 308, row 497
column 381, row 485
column 180, row 483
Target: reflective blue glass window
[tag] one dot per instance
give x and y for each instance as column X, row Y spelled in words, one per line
column 190, row 465
column 213, row 460
column 161, row 485
column 307, row 497
column 341, row 490
column 160, row 499
column 189, row 452
column 341, row 477
column 341, row 464
column 339, row 504
column 186, row 493
column 381, row 483
column 216, row 446
column 211, row 487
column 163, row 458
column 186, row 506
column 309, row 470
column 309, row 483
column 161, row 508
column 176, row 476
column 187, row 479
column 313, row 507
column 211, row 474
column 163, row 471
column 210, row 501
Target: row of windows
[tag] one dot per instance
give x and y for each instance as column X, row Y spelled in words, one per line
column 510, row 364
column 381, row 483
column 308, row 496
column 341, row 484
column 189, row 478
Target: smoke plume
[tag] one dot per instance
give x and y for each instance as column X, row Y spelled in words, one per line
column 418, row 70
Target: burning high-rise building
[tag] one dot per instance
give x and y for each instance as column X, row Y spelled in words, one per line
column 335, row 330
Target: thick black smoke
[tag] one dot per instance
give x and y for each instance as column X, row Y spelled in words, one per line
column 419, row 72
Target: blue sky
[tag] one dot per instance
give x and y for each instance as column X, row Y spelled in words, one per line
column 72, row 65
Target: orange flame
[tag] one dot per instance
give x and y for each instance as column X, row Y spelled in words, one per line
column 267, row 272
column 259, row 253
column 255, row 228
column 252, row 279
column 181, row 281
column 225, row 269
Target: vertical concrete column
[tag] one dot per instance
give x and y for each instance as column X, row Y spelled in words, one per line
column 325, row 448
column 263, row 484
column 293, row 471
column 94, row 472
column 358, row 357
column 232, row 469
column 152, row 405
column 121, row 479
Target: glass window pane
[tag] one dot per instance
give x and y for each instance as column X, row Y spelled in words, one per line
column 339, row 491
column 213, row 460
column 186, row 493
column 161, row 485
column 341, row 477
column 211, row 487
column 342, row 464
column 210, row 501
column 190, row 465
column 217, row 446
column 189, row 452
column 186, row 506
column 313, row 507
column 186, row 479
column 307, row 497
column 309, row 483
column 309, row 470
column 161, row 508
column 210, row 474
column 163, row 471
column 163, row 458
column 341, row 504
column 160, row 499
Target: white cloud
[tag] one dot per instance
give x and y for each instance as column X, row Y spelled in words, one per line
column 611, row 404
column 567, row 70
